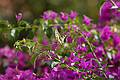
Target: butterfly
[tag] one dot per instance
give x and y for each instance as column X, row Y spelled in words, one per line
column 59, row 37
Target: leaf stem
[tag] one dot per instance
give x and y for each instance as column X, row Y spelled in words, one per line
column 93, row 53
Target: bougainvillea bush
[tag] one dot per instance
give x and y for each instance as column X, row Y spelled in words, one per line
column 62, row 46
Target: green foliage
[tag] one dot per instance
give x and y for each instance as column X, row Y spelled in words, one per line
column 100, row 2
column 25, row 45
column 49, row 32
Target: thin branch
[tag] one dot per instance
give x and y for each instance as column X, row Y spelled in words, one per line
column 91, row 47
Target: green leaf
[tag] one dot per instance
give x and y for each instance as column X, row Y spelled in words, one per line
column 4, row 24
column 40, row 36
column 63, row 65
column 57, row 60
column 100, row 2
column 30, row 34
column 49, row 32
column 36, row 22
column 85, row 28
column 25, row 45
column 100, row 78
column 54, row 64
column 23, row 24
column 73, row 68
column 33, row 58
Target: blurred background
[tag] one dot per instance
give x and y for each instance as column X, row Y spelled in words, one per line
column 34, row 8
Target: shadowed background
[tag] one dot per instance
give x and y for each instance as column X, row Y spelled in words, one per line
column 34, row 8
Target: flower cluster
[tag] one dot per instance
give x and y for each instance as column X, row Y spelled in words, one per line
column 65, row 48
column 51, row 15
column 11, row 58
column 109, row 11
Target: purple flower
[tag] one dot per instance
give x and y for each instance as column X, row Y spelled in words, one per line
column 86, row 64
column 69, row 39
column 49, row 15
column 45, row 42
column 105, row 11
column 63, row 16
column 86, row 20
column 22, row 59
column 19, row 16
column 52, row 54
column 108, row 11
column 87, row 34
column 58, row 75
column 72, row 59
column 99, row 51
column 75, row 27
column 53, row 15
column 11, row 58
column 7, row 52
column 10, row 74
column 89, row 56
column 116, row 40
column 16, row 74
column 54, row 45
column 81, row 48
column 73, row 15
column 7, row 56
column 80, row 40
column 106, row 33
column 26, row 75
column 116, row 57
